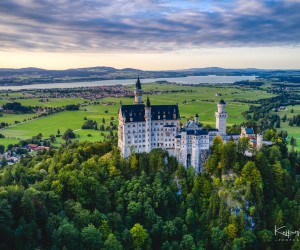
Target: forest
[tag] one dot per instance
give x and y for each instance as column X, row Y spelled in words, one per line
column 86, row 196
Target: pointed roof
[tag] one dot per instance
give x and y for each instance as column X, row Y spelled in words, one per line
column 222, row 102
column 138, row 83
column 148, row 104
column 196, row 115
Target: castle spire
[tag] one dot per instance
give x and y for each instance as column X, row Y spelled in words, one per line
column 138, row 83
column 138, row 92
column 148, row 104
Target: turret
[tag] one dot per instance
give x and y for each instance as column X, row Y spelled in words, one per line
column 138, row 92
column 221, row 117
column 221, row 106
column 259, row 141
column 196, row 119
column 148, row 125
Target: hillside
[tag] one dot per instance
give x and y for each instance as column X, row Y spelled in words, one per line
column 10, row 77
column 85, row 196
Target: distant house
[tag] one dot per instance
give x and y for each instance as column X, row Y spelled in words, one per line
column 12, row 159
column 32, row 146
column 36, row 147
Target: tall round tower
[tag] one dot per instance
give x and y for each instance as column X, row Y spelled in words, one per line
column 148, row 125
column 138, row 92
column 196, row 119
column 259, row 141
column 221, row 117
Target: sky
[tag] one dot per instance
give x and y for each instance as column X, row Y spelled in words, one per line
column 150, row 34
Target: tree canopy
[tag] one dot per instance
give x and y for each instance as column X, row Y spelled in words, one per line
column 86, row 196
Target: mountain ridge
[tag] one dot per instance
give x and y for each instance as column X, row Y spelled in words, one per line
column 33, row 75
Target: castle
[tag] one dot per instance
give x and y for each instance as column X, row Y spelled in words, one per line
column 143, row 127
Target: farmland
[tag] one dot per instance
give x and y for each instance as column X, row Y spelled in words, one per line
column 191, row 100
column 292, row 131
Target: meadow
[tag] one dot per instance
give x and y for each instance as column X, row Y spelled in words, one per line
column 292, row 131
column 61, row 121
column 53, row 102
column 190, row 99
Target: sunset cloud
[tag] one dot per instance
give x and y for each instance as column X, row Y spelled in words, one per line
column 146, row 25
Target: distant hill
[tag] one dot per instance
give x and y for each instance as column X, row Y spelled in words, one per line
column 24, row 76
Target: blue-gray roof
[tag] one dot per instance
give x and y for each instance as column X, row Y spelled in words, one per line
column 249, row 131
column 195, row 131
column 136, row 112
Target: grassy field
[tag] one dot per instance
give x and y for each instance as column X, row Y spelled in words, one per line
column 11, row 118
column 292, row 131
column 67, row 119
column 208, row 92
column 201, row 100
column 53, row 102
column 7, row 141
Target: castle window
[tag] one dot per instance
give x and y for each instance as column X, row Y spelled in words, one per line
column 133, row 126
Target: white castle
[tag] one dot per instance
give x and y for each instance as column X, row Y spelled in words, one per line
column 145, row 127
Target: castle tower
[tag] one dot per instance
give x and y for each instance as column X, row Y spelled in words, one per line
column 148, row 125
column 196, row 145
column 221, row 117
column 196, row 119
column 121, row 132
column 259, row 141
column 138, row 92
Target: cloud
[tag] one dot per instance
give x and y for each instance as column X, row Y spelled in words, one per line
column 146, row 25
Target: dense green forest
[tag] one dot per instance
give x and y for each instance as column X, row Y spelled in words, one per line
column 85, row 196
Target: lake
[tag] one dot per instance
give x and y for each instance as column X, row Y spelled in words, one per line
column 183, row 80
